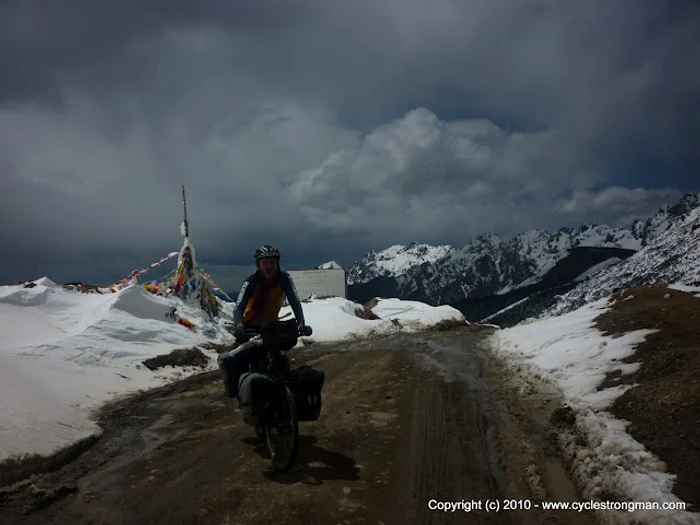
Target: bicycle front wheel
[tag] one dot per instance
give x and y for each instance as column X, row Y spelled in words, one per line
column 282, row 434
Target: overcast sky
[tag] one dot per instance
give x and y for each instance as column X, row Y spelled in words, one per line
column 331, row 128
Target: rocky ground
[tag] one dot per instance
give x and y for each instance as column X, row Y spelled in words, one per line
column 664, row 405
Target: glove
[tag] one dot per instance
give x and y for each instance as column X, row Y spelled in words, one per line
column 239, row 334
column 305, row 330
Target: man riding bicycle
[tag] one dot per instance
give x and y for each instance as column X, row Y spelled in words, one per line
column 259, row 300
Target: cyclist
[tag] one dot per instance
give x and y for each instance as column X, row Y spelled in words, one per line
column 261, row 295
column 260, row 299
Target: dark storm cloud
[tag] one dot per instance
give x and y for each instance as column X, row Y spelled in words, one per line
column 42, row 42
column 334, row 127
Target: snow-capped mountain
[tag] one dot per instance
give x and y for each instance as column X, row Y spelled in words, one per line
column 395, row 260
column 330, row 265
column 489, row 266
column 671, row 258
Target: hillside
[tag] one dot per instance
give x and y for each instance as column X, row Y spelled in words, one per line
column 672, row 258
column 526, row 301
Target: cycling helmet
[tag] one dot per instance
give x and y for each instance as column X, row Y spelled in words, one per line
column 267, row 251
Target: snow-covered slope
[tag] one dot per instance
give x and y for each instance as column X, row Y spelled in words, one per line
column 671, row 258
column 593, row 270
column 62, row 352
column 488, row 265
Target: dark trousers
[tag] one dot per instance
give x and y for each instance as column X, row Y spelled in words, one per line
column 232, row 366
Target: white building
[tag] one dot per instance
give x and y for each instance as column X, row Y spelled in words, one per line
column 327, row 282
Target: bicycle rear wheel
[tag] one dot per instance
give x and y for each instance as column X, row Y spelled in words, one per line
column 282, row 434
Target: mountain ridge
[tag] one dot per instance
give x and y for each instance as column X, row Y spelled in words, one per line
column 489, row 266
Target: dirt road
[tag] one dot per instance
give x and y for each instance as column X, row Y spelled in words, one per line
column 406, row 419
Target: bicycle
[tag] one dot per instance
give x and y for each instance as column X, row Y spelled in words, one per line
column 279, row 428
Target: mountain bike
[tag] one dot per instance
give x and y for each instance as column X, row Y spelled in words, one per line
column 279, row 428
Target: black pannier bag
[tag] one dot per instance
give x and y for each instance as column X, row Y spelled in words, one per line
column 231, row 368
column 254, row 392
column 280, row 335
column 307, row 383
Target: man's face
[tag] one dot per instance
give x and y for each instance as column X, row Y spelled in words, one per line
column 268, row 267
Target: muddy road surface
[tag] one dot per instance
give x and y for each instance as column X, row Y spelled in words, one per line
column 409, row 422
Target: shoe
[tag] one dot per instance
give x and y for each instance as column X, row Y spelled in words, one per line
column 228, row 390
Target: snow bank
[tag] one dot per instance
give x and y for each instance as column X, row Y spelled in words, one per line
column 335, row 318
column 570, row 354
column 415, row 314
column 684, row 288
column 62, row 353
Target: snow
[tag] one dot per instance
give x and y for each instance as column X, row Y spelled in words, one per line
column 63, row 353
column 673, row 257
column 597, row 268
column 334, row 318
column 504, row 310
column 544, row 266
column 397, row 260
column 567, row 350
column 570, row 355
column 415, row 314
column 330, row 265
column 683, row 288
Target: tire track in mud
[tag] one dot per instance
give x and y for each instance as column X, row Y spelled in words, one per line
column 454, row 457
column 510, row 452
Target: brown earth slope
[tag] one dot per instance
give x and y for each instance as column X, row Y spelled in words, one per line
column 406, row 419
column 664, row 405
